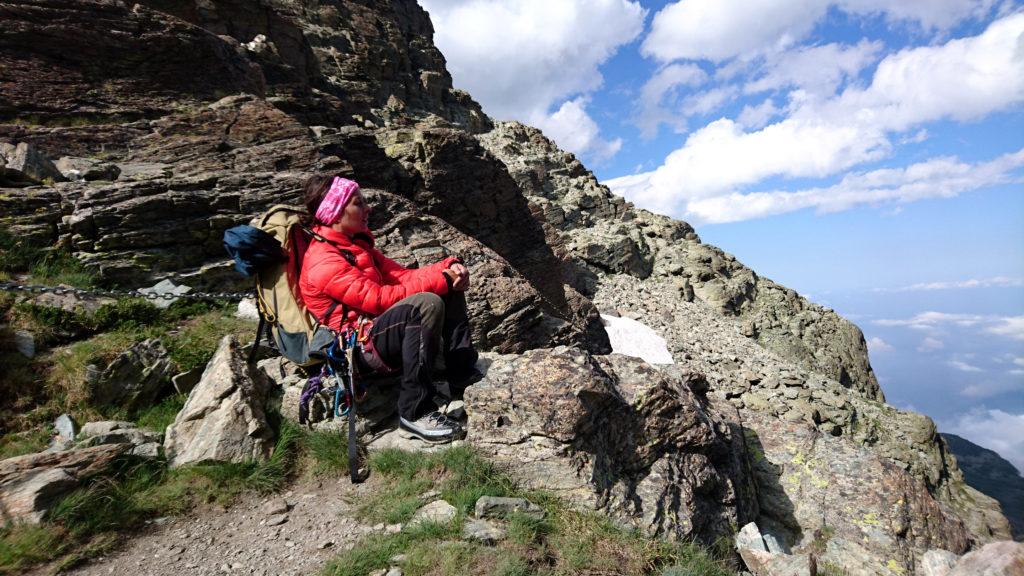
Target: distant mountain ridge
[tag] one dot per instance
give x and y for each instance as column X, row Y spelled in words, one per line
column 991, row 474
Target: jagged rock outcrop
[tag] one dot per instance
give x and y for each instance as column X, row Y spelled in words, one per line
column 331, row 88
column 607, row 236
column 32, row 484
column 812, row 439
column 614, row 433
column 224, row 418
column 134, row 379
column 212, row 112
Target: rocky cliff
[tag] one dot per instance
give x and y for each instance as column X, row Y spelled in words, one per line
column 210, row 112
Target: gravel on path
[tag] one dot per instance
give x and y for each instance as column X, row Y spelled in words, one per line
column 252, row 537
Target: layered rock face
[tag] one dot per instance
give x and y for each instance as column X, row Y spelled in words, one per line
column 286, row 90
column 210, row 112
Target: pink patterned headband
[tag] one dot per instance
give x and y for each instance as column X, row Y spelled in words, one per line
column 335, row 200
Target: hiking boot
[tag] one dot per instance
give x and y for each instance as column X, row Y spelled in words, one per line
column 434, row 427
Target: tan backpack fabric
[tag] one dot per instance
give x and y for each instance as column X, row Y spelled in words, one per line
column 299, row 336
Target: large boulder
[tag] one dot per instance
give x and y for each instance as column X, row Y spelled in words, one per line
column 223, row 418
column 31, row 484
column 24, row 164
column 611, row 432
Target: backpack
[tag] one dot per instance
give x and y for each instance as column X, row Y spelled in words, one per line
column 272, row 251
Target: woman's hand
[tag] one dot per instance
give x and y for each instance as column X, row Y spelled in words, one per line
column 459, row 276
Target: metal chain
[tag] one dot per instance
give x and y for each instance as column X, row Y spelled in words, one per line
column 137, row 293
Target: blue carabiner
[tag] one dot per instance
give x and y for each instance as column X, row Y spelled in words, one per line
column 332, row 356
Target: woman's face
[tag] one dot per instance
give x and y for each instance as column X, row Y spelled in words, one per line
column 356, row 216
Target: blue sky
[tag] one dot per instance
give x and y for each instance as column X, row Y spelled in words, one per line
column 867, row 153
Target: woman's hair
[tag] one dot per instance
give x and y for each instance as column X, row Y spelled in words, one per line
column 314, row 190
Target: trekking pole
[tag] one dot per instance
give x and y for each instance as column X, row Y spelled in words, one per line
column 353, row 453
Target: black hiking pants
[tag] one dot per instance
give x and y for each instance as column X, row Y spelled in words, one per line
column 408, row 337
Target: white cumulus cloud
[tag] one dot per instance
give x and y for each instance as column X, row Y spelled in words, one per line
column 718, row 30
column 754, row 117
column 992, row 282
column 996, row 430
column 526, row 59
column 989, row 388
column 815, row 69
column 575, row 130
column 721, row 29
column 937, row 323
column 963, row 79
column 659, row 91
column 964, row 366
column 876, row 344
column 929, row 14
column 930, row 320
column 1012, row 327
column 935, row 178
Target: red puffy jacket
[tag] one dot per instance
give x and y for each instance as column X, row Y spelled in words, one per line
column 370, row 286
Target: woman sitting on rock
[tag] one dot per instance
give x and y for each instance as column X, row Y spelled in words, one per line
column 409, row 314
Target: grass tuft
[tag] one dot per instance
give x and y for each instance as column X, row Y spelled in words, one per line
column 271, row 475
column 23, row 545
column 469, row 476
column 22, row 443
column 512, row 564
column 51, row 266
column 109, row 503
column 328, row 452
column 36, row 391
column 196, row 340
column 376, row 550
column 162, row 415
column 526, row 530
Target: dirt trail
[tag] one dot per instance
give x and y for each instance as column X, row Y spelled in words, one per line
column 239, row 540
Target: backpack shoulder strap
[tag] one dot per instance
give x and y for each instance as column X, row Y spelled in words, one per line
column 348, row 256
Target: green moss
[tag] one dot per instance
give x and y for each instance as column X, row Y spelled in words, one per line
column 830, row 569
